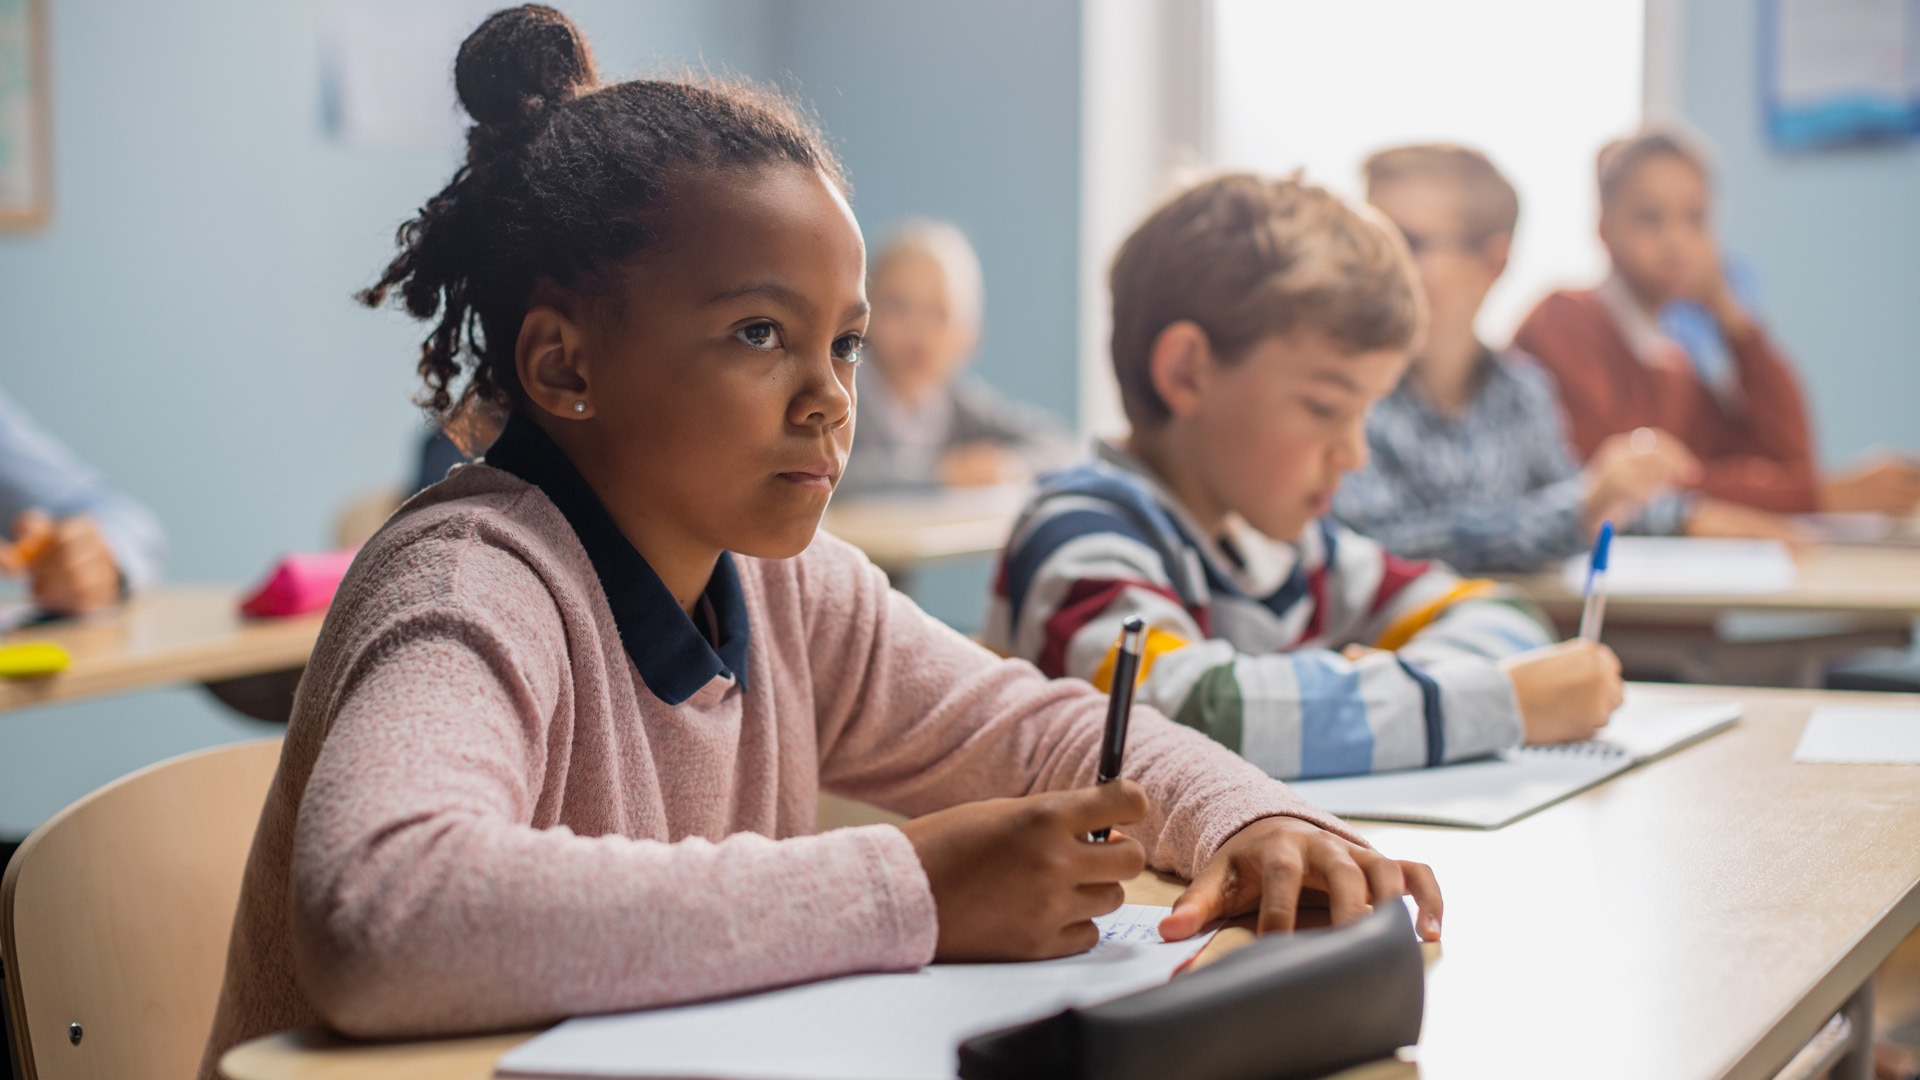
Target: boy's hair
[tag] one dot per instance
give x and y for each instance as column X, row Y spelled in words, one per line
column 1489, row 205
column 946, row 245
column 565, row 180
column 1247, row 258
column 1618, row 159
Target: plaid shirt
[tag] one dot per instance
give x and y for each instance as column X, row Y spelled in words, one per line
column 1490, row 490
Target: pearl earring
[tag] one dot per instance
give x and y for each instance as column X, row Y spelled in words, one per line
column 579, row 406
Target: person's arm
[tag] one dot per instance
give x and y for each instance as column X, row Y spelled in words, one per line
column 916, row 718
column 38, row 472
column 1764, row 457
column 1310, row 712
column 1521, row 533
column 427, row 901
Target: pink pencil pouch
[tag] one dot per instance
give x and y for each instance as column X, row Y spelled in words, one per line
column 298, row 584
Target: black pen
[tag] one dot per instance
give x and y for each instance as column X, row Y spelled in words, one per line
column 1126, row 665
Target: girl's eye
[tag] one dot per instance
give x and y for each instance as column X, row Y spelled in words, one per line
column 847, row 348
column 761, row 335
column 1314, row 408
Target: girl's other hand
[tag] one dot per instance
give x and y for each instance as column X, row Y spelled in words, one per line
column 1265, row 866
column 1017, row 879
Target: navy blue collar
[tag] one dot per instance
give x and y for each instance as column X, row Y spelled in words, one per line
column 674, row 658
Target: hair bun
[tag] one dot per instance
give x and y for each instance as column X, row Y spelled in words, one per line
column 520, row 61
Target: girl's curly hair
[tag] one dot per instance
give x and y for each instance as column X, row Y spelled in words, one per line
column 565, row 179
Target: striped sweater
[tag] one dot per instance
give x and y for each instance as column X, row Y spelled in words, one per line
column 1246, row 632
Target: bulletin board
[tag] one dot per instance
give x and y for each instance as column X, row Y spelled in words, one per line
column 25, row 153
column 1839, row 72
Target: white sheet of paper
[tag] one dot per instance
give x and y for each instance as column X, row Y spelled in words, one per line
column 1497, row 791
column 893, row 1026
column 1685, row 566
column 1861, row 737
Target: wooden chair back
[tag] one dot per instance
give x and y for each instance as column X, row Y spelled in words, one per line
column 114, row 917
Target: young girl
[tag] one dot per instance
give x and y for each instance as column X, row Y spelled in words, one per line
column 559, row 745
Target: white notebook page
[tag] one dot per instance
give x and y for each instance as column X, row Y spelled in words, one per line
column 895, row 1026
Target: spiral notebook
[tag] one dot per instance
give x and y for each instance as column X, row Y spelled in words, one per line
column 1488, row 793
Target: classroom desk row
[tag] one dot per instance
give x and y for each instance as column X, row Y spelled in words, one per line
column 1848, row 599
column 1704, row 915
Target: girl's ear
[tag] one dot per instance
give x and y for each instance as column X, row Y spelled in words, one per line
column 1181, row 365
column 553, row 365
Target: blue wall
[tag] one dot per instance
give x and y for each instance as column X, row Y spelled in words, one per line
column 1834, row 236
column 968, row 112
column 185, row 320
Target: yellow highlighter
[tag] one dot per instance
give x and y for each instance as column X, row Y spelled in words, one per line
column 32, row 659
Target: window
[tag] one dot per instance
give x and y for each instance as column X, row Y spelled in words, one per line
column 1536, row 86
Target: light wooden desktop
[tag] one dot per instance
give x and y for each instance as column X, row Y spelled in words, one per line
column 1701, row 916
column 903, row 532
column 1850, row 598
column 174, row 634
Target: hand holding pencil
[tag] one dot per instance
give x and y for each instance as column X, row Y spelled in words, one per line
column 69, row 563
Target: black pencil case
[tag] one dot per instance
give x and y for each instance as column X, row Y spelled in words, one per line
column 1286, row 1006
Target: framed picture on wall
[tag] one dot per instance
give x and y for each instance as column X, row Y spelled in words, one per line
column 26, row 168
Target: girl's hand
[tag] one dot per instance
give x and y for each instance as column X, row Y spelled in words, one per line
column 1266, row 865
column 1017, row 879
column 1566, row 691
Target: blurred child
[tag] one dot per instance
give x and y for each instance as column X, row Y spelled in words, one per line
column 922, row 423
column 82, row 543
column 1254, row 322
column 1619, row 370
column 1468, row 459
column 561, row 741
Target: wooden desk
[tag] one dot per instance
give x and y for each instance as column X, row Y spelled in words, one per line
column 1701, row 916
column 1849, row 599
column 901, row 532
column 1881, row 584
column 174, row 634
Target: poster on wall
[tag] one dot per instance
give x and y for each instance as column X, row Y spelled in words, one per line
column 1839, row 72
column 25, row 170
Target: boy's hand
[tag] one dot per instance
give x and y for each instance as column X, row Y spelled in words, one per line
column 1716, row 518
column 1017, row 879
column 1566, row 691
column 1885, row 485
column 1265, row 866
column 1632, row 467
column 69, row 563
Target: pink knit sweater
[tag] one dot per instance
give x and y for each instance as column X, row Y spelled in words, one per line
column 484, row 820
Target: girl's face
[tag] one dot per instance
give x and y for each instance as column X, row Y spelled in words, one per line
column 1657, row 230
column 721, row 385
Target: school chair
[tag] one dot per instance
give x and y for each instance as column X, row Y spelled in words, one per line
column 114, row 917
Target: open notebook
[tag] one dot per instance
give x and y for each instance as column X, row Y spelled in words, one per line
column 1490, row 792
column 903, row 1025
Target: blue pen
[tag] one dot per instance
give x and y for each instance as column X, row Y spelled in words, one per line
column 1596, row 608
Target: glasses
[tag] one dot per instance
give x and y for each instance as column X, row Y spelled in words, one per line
column 1420, row 244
